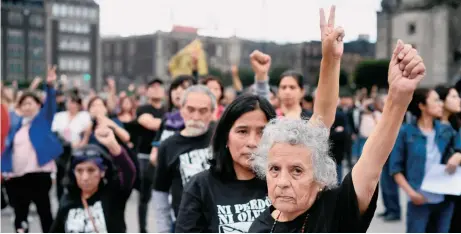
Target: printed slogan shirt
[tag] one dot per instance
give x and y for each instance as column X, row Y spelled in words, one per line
column 180, row 158
column 212, row 205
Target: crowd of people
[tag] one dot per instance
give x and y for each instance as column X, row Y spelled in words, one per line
column 209, row 158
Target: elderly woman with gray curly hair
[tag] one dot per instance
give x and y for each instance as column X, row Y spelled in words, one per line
column 301, row 178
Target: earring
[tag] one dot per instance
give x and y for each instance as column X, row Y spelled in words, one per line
column 227, row 147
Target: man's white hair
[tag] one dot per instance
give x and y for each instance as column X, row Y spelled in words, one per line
column 298, row 132
column 199, row 89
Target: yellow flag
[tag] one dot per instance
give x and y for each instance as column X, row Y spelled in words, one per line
column 181, row 62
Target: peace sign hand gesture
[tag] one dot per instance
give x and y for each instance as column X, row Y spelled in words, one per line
column 51, row 74
column 332, row 38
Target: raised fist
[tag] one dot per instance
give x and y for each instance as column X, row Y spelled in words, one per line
column 51, row 74
column 406, row 70
column 260, row 63
column 105, row 136
column 332, row 38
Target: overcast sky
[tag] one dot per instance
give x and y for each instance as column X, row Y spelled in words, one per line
column 274, row 20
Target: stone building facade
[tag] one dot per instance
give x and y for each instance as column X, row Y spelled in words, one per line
column 431, row 26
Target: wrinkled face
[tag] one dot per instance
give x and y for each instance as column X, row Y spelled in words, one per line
column 197, row 113
column 88, row 176
column 29, row 107
column 156, row 92
column 289, row 91
column 244, row 136
column 72, row 106
column 434, row 106
column 215, row 88
column 97, row 108
column 453, row 102
column 290, row 178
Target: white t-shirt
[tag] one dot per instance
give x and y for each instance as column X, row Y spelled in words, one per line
column 71, row 129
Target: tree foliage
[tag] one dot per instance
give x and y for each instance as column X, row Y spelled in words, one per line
column 371, row 72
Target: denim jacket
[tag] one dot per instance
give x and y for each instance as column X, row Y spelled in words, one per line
column 409, row 153
column 46, row 144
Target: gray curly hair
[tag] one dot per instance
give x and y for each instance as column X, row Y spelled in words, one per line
column 298, row 132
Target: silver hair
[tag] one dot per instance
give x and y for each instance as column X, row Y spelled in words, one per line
column 298, row 132
column 199, row 89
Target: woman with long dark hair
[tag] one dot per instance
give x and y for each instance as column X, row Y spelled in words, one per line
column 215, row 85
column 451, row 110
column 229, row 197
column 97, row 108
column 99, row 184
column 419, row 147
column 127, row 110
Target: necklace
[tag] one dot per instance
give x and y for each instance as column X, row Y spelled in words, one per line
column 278, row 216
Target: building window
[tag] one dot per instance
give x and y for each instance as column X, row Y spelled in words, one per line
column 93, row 14
column 118, row 66
column 411, row 28
column 118, row 49
column 107, row 49
column 15, row 18
column 74, row 64
column 107, row 67
column 63, row 12
column 15, row 66
column 15, row 51
column 15, row 37
column 79, row 28
column 131, row 48
column 36, row 39
column 36, row 20
column 36, row 53
column 56, row 10
column 218, row 51
column 74, row 43
column 36, row 68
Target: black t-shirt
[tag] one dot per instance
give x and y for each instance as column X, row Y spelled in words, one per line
column 146, row 136
column 107, row 208
column 336, row 210
column 180, row 158
column 212, row 205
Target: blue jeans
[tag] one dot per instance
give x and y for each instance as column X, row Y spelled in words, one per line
column 390, row 192
column 439, row 215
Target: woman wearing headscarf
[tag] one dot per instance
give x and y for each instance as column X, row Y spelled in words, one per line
column 28, row 159
column 301, row 176
column 229, row 196
column 99, row 184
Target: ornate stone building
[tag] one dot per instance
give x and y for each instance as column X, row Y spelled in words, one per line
column 432, row 26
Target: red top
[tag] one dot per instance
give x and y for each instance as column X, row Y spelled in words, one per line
column 5, row 118
column 220, row 111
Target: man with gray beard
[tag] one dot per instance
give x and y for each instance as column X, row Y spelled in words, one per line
column 183, row 155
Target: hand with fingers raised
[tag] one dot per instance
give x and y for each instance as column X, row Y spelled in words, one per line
column 332, row 38
column 406, row 70
column 51, row 75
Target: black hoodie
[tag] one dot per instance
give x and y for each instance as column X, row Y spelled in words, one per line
column 107, row 205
